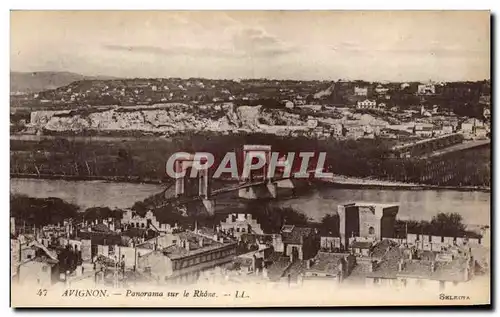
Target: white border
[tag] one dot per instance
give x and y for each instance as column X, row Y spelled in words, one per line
column 186, row 5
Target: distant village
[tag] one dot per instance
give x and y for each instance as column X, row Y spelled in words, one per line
column 340, row 110
column 149, row 249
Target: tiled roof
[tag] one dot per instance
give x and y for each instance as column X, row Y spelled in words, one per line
column 361, row 245
column 176, row 252
column 100, row 227
column 294, row 237
column 276, row 270
column 444, row 271
column 388, row 267
column 380, row 249
column 326, row 262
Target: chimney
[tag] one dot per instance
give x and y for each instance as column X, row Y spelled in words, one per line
column 433, row 266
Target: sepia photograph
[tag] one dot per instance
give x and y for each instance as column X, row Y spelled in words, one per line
column 250, row 158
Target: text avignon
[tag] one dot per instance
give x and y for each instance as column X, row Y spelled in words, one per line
column 85, row 293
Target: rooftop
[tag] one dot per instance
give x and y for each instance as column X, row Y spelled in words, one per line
column 443, row 271
column 326, row 262
column 295, row 235
column 176, row 252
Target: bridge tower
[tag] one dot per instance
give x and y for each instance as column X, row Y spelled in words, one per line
column 264, row 186
column 187, row 186
column 256, row 151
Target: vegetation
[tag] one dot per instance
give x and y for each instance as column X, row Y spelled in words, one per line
column 41, row 211
column 145, row 158
column 330, row 225
column 97, row 213
column 443, row 224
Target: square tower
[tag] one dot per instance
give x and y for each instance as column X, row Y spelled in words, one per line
column 371, row 221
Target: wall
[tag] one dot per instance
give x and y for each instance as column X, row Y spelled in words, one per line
column 330, row 243
column 34, row 272
column 241, row 221
column 289, row 248
column 128, row 254
column 369, row 219
column 429, row 241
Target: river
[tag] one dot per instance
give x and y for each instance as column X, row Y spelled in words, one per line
column 474, row 206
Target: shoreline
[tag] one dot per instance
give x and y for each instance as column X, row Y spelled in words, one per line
column 339, row 182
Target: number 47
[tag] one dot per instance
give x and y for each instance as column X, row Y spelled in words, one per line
column 42, row 292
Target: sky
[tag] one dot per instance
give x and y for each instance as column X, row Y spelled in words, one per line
column 302, row 45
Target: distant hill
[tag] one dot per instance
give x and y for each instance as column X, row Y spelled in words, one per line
column 38, row 81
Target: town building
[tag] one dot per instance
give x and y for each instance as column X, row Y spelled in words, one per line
column 333, row 267
column 181, row 257
column 366, row 104
column 381, row 90
column 366, row 220
column 426, row 89
column 38, row 272
column 360, row 91
column 330, row 244
column 241, row 223
column 149, row 220
column 299, row 242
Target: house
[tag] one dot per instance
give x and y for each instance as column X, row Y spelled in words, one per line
column 480, row 133
column 328, row 266
column 360, row 248
column 241, row 223
column 390, row 264
column 181, row 257
column 330, row 244
column 366, row 104
column 360, row 91
column 299, row 242
column 381, row 90
column 39, row 267
column 151, row 220
column 426, row 89
column 39, row 272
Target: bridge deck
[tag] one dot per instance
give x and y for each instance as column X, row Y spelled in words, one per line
column 458, row 147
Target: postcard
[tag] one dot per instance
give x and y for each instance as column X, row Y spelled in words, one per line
column 250, row 158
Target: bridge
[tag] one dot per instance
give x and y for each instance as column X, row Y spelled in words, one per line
column 422, row 147
column 256, row 185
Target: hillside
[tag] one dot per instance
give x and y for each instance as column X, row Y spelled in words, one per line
column 21, row 82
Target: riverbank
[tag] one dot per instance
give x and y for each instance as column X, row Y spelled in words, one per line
column 341, row 182
column 322, row 199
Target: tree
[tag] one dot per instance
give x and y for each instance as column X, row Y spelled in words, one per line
column 41, row 211
column 330, row 225
column 447, row 224
column 97, row 213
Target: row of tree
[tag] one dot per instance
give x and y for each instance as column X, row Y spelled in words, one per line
column 145, row 159
column 442, row 224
